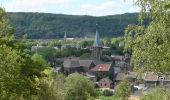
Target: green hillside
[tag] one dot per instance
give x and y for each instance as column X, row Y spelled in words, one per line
column 44, row 25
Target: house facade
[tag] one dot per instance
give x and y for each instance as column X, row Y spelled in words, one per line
column 103, row 70
column 105, row 83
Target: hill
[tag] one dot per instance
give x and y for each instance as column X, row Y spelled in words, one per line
column 45, row 25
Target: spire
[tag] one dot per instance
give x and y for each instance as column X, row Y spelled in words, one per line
column 97, row 42
column 65, row 36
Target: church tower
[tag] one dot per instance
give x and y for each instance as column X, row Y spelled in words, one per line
column 97, row 48
column 65, row 36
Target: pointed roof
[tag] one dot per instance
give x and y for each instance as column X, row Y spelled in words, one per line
column 65, row 35
column 97, row 42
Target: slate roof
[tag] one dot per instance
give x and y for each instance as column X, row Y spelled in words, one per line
column 121, row 76
column 122, row 64
column 85, row 63
column 101, row 68
column 150, row 76
column 117, row 58
column 96, row 62
column 97, row 42
column 71, row 63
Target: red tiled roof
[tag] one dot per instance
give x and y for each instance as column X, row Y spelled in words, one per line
column 101, row 68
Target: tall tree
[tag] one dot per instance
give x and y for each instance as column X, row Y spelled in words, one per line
column 123, row 91
column 18, row 72
column 150, row 45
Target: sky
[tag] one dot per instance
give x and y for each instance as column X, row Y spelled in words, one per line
column 73, row 7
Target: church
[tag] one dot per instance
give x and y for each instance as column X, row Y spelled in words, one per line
column 75, row 65
column 97, row 47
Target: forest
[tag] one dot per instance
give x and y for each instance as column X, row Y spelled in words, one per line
column 48, row 26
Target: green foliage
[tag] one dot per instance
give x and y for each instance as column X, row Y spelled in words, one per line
column 41, row 25
column 109, row 98
column 123, row 91
column 106, row 58
column 85, row 56
column 39, row 60
column 22, row 77
column 107, row 93
column 157, row 94
column 150, row 44
column 10, row 66
column 50, row 85
column 85, row 43
column 49, row 54
column 78, row 87
column 55, row 44
column 106, row 41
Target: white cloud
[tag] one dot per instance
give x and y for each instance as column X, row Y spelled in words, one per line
column 35, row 5
column 109, row 7
column 106, row 7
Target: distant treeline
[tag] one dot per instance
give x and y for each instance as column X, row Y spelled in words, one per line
column 44, row 25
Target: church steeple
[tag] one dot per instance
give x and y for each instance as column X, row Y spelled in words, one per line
column 65, row 35
column 97, row 42
column 97, row 47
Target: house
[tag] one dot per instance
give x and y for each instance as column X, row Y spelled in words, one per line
column 164, row 80
column 151, row 79
column 90, row 77
column 86, row 65
column 130, row 75
column 103, row 70
column 121, row 64
column 71, row 66
column 124, row 67
column 105, row 83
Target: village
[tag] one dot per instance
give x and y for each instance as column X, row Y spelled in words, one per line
column 85, row 50
column 108, row 75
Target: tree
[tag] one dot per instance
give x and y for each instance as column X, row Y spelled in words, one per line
column 78, row 87
column 20, row 74
column 85, row 56
column 157, row 94
column 10, row 66
column 50, row 85
column 106, row 41
column 123, row 91
column 49, row 54
column 150, row 45
column 39, row 60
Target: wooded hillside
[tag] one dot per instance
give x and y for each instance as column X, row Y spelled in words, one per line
column 44, row 25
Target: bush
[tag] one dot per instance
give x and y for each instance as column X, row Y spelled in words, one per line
column 106, row 58
column 85, row 56
column 107, row 93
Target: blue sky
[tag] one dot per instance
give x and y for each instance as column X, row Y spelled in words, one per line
column 74, row 7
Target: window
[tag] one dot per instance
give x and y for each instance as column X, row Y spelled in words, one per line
column 105, row 84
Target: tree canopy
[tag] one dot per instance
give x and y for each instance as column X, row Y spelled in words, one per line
column 150, row 45
column 78, row 87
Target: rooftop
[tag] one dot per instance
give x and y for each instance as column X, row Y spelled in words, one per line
column 97, row 42
column 101, row 68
